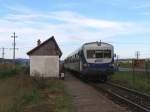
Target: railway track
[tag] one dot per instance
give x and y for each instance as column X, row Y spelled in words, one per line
column 136, row 101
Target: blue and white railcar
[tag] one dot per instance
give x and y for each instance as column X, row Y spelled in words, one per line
column 93, row 60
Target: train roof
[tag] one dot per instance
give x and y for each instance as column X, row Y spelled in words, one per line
column 77, row 50
column 97, row 43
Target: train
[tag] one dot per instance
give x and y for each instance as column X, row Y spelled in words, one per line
column 93, row 60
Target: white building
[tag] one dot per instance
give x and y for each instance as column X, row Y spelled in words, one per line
column 44, row 59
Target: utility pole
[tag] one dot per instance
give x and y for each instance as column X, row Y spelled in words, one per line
column 117, row 59
column 14, row 46
column 3, row 53
column 117, row 62
column 137, row 54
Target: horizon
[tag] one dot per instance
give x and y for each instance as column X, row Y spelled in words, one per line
column 124, row 24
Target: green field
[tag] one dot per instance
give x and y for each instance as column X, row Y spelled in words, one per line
column 21, row 93
column 137, row 80
column 125, row 65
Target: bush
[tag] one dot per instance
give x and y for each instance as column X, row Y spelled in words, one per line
column 8, row 72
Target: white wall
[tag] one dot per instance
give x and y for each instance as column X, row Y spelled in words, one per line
column 45, row 66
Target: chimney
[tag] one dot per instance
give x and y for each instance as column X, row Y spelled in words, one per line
column 38, row 42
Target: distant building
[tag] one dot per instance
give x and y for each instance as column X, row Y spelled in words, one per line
column 44, row 59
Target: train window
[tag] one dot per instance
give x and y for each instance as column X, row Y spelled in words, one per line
column 90, row 53
column 75, row 59
column 107, row 53
column 99, row 54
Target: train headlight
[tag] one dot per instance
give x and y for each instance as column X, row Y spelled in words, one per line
column 85, row 65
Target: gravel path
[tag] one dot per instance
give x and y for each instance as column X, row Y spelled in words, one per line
column 87, row 99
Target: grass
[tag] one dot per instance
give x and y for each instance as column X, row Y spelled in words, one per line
column 125, row 65
column 62, row 100
column 130, row 65
column 138, row 81
column 10, row 70
column 30, row 97
column 17, row 92
column 21, row 93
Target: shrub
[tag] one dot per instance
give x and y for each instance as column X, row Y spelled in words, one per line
column 8, row 72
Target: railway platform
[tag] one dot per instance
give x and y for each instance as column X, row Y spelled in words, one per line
column 87, row 99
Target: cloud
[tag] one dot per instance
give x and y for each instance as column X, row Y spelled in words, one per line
column 76, row 18
column 69, row 17
column 67, row 26
column 18, row 8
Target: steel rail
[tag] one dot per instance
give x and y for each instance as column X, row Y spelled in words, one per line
column 130, row 90
column 121, row 98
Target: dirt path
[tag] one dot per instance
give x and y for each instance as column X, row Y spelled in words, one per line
column 87, row 99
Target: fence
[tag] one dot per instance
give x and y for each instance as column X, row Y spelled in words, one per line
column 135, row 73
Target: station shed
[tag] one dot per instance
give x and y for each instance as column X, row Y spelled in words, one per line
column 45, row 58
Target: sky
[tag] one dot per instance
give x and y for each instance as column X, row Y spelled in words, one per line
column 123, row 23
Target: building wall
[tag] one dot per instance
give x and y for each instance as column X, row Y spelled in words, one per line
column 45, row 66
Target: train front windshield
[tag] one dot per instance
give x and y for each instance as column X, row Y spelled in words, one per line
column 98, row 54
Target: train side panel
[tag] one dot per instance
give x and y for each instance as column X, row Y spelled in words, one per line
column 74, row 66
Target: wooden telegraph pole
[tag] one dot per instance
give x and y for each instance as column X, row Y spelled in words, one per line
column 137, row 54
column 3, row 54
column 14, row 46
